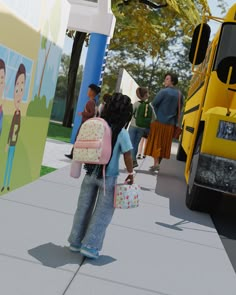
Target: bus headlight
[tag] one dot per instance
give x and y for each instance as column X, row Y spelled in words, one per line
column 227, row 130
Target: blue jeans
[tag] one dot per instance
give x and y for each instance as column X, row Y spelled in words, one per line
column 94, row 212
column 136, row 134
column 10, row 158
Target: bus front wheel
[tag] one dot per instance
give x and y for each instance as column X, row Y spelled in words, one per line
column 181, row 155
column 199, row 198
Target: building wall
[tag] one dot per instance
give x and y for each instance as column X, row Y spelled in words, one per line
column 33, row 35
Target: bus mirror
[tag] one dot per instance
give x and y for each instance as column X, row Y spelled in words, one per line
column 223, row 69
column 199, row 44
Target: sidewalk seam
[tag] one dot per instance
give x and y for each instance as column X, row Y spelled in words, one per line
column 164, row 236
column 33, row 262
column 37, row 207
column 122, row 284
column 75, row 274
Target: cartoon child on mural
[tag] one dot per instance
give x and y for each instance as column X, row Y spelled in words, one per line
column 2, row 86
column 15, row 124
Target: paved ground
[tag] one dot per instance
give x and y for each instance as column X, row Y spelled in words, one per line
column 159, row 248
column 54, row 153
column 224, row 219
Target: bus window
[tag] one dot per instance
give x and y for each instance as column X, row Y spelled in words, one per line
column 227, row 44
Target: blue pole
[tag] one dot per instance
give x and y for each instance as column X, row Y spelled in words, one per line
column 92, row 74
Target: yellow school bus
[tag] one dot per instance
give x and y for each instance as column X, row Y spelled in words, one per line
column 208, row 141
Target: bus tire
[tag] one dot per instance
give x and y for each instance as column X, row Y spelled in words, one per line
column 197, row 199
column 181, row 155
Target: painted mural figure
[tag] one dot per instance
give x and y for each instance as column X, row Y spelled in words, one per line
column 15, row 124
column 2, row 86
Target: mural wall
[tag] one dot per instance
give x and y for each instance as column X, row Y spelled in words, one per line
column 30, row 52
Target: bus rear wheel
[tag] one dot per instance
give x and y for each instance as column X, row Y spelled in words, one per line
column 181, row 155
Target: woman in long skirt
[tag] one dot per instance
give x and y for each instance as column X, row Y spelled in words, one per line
column 165, row 106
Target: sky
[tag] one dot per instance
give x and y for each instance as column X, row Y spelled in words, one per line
column 215, row 11
column 214, row 26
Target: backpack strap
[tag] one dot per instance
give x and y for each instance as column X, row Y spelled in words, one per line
column 104, row 179
column 146, row 108
column 135, row 112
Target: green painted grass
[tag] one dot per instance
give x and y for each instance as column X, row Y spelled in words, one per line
column 58, row 132
column 45, row 170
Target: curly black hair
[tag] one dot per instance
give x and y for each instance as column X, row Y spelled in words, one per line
column 118, row 113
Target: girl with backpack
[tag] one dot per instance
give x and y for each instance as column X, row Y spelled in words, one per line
column 95, row 205
column 141, row 120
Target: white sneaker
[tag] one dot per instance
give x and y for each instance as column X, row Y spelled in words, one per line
column 74, row 248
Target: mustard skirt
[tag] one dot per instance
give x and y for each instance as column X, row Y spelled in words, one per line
column 159, row 140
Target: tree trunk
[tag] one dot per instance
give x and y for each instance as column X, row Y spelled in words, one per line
column 72, row 75
column 44, row 67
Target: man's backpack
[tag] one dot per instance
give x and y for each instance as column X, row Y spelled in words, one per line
column 93, row 145
column 143, row 115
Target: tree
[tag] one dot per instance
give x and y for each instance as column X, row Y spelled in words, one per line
column 140, row 25
column 149, row 71
column 62, row 81
column 50, row 35
column 78, row 42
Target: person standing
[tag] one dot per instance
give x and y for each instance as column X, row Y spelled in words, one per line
column 142, row 146
column 140, row 122
column 96, row 208
column 165, row 106
column 89, row 110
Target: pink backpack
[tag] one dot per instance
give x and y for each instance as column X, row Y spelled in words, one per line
column 92, row 146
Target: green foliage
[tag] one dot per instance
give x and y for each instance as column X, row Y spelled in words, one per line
column 148, row 43
column 46, row 170
column 58, row 132
column 149, row 71
column 44, row 42
column 38, row 107
column 149, row 29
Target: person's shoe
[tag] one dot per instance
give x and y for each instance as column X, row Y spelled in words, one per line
column 89, row 252
column 8, row 188
column 135, row 164
column 144, row 157
column 69, row 156
column 2, row 189
column 139, row 157
column 74, row 248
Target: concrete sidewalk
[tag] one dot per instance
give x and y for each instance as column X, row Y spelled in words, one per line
column 159, row 248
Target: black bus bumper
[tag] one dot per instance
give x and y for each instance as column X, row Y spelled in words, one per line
column 216, row 173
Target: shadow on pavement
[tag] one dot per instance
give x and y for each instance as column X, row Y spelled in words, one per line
column 171, row 184
column 101, row 261
column 54, row 256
